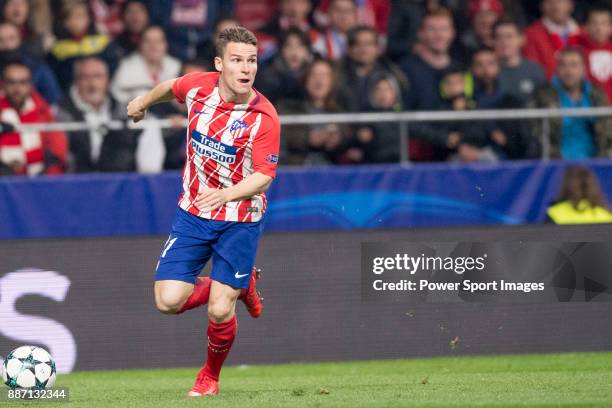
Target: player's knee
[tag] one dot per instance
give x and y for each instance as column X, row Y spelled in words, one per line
column 168, row 304
column 219, row 311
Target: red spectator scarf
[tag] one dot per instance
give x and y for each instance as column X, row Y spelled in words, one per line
column 29, row 147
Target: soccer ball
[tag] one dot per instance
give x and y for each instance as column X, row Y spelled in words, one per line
column 28, row 367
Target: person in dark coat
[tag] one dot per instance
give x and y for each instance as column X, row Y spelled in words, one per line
column 101, row 149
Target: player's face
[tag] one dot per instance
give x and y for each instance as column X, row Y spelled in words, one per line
column 238, row 67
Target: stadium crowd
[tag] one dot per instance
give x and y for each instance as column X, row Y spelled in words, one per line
column 74, row 60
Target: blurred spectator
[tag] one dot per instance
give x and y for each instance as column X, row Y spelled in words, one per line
column 254, row 14
column 174, row 138
column 514, row 10
column 363, row 64
column 331, row 43
column 519, row 77
column 581, row 200
column 319, row 144
column 404, row 23
column 485, row 69
column 29, row 152
column 11, row 50
column 510, row 138
column 34, row 24
column 147, row 67
column 101, row 148
column 208, row 50
column 575, row 138
column 327, row 145
column 189, row 23
column 135, row 18
column 380, row 142
column 598, row 47
column 77, row 37
column 423, row 68
column 107, row 15
column 371, row 13
column 554, row 31
column 532, row 10
column 461, row 141
column 483, row 14
column 582, row 8
column 464, row 10
column 291, row 13
column 282, row 79
column 430, row 59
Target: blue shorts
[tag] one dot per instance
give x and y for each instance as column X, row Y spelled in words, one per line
column 192, row 242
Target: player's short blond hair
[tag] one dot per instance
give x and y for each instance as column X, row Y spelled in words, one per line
column 234, row 34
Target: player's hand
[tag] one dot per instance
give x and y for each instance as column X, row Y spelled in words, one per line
column 211, row 199
column 136, row 109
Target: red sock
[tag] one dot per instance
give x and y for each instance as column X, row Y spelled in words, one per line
column 199, row 296
column 220, row 339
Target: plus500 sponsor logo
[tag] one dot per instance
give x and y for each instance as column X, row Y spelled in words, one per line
column 212, row 148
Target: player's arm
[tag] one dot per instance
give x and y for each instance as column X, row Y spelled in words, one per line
column 210, row 199
column 162, row 92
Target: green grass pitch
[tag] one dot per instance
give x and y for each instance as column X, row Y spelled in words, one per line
column 549, row 380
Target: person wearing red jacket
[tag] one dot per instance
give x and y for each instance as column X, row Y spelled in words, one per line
column 598, row 48
column 29, row 152
column 555, row 31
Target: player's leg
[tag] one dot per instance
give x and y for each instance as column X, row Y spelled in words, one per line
column 178, row 287
column 251, row 297
column 222, row 327
column 174, row 297
column 171, row 295
column 238, row 247
column 233, row 259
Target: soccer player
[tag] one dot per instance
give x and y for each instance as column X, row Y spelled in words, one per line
column 232, row 154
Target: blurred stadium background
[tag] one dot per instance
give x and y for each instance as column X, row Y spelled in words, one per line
column 467, row 135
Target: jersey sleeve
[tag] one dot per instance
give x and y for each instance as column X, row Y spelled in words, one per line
column 266, row 146
column 183, row 84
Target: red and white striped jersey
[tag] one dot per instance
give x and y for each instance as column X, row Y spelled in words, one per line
column 226, row 142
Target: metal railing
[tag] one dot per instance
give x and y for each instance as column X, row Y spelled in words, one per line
column 403, row 118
